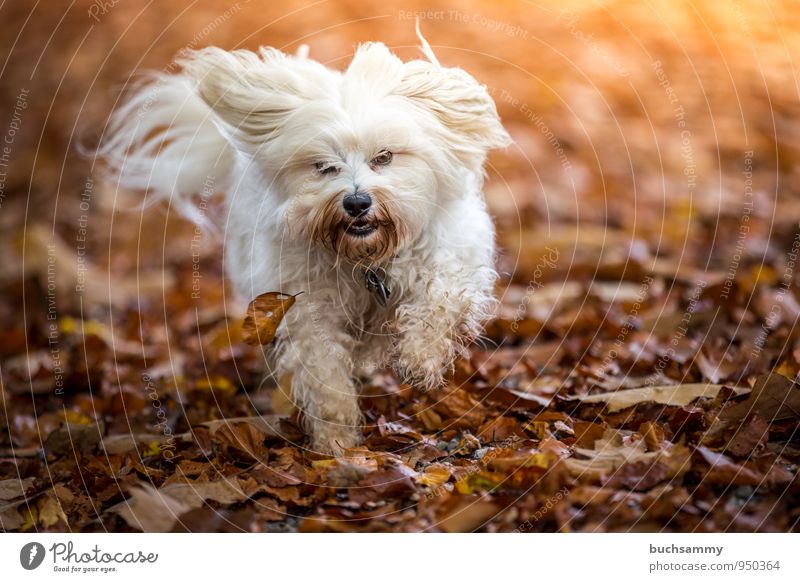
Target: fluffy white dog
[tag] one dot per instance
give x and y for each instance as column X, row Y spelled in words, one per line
column 361, row 188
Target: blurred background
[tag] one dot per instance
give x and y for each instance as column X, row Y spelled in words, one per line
column 656, row 136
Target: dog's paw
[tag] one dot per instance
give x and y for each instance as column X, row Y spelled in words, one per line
column 332, row 439
column 425, row 373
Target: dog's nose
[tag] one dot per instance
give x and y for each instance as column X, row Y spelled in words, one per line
column 357, row 204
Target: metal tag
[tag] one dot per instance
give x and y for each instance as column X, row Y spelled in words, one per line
column 374, row 281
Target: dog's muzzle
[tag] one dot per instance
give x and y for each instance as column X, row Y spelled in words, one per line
column 357, row 206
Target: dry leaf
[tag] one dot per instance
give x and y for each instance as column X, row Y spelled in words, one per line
column 435, row 474
column 267, row 424
column 71, row 438
column 619, row 454
column 156, row 510
column 468, row 514
column 749, row 437
column 723, row 471
column 241, row 442
column 13, row 488
column 10, row 518
column 679, row 395
column 345, row 473
column 51, row 512
column 150, row 510
column 264, row 315
column 774, row 397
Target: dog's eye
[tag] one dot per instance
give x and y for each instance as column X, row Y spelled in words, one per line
column 325, row 168
column 382, row 159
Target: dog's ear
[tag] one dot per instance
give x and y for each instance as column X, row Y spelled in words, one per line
column 253, row 93
column 462, row 106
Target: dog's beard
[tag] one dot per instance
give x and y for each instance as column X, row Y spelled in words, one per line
column 366, row 240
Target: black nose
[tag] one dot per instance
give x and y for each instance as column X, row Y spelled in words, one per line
column 357, row 204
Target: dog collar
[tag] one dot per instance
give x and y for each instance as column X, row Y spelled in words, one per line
column 375, row 282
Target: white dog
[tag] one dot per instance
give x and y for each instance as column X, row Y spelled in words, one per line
column 361, row 188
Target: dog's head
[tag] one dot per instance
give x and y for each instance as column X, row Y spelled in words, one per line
column 360, row 159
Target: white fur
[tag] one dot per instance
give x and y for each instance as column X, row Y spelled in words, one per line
column 259, row 122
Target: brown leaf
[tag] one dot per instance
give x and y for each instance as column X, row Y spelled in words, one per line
column 51, row 512
column 723, row 471
column 500, row 428
column 346, row 473
column 625, row 453
column 264, row 315
column 435, row 474
column 71, row 438
column 678, row 395
column 13, row 488
column 458, row 405
column 396, row 481
column 639, row 476
column 774, row 397
column 716, row 370
column 241, row 442
column 10, row 518
column 586, row 433
column 150, row 510
column 156, row 510
column 749, row 437
column 274, row 477
column 653, row 435
column 467, row 514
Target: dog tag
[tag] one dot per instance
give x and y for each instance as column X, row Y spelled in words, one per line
column 374, row 281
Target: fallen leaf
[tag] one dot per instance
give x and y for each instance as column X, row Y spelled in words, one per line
column 345, row 473
column 723, row 471
column 240, row 441
column 267, row 424
column 157, row 510
column 13, row 488
column 150, row 510
column 749, row 437
column 467, row 515
column 678, row 395
column 434, row 474
column 10, row 518
column 264, row 315
column 72, row 438
column 774, row 397
column 460, row 407
column 500, row 428
column 653, row 435
column 51, row 512
column 619, row 454
column 274, row 477
column 396, row 481
column 225, row 491
column 122, row 443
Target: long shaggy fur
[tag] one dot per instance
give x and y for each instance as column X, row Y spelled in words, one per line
column 287, row 139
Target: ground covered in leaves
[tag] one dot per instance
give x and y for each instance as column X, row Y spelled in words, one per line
column 637, row 399
column 641, row 375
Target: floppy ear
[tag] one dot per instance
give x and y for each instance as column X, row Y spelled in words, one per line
column 253, row 93
column 462, row 106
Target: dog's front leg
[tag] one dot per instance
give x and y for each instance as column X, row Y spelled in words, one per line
column 443, row 313
column 316, row 350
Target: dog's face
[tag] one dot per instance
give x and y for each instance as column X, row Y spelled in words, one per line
column 360, row 160
column 362, row 182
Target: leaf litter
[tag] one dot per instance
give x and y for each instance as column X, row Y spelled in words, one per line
column 633, row 379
